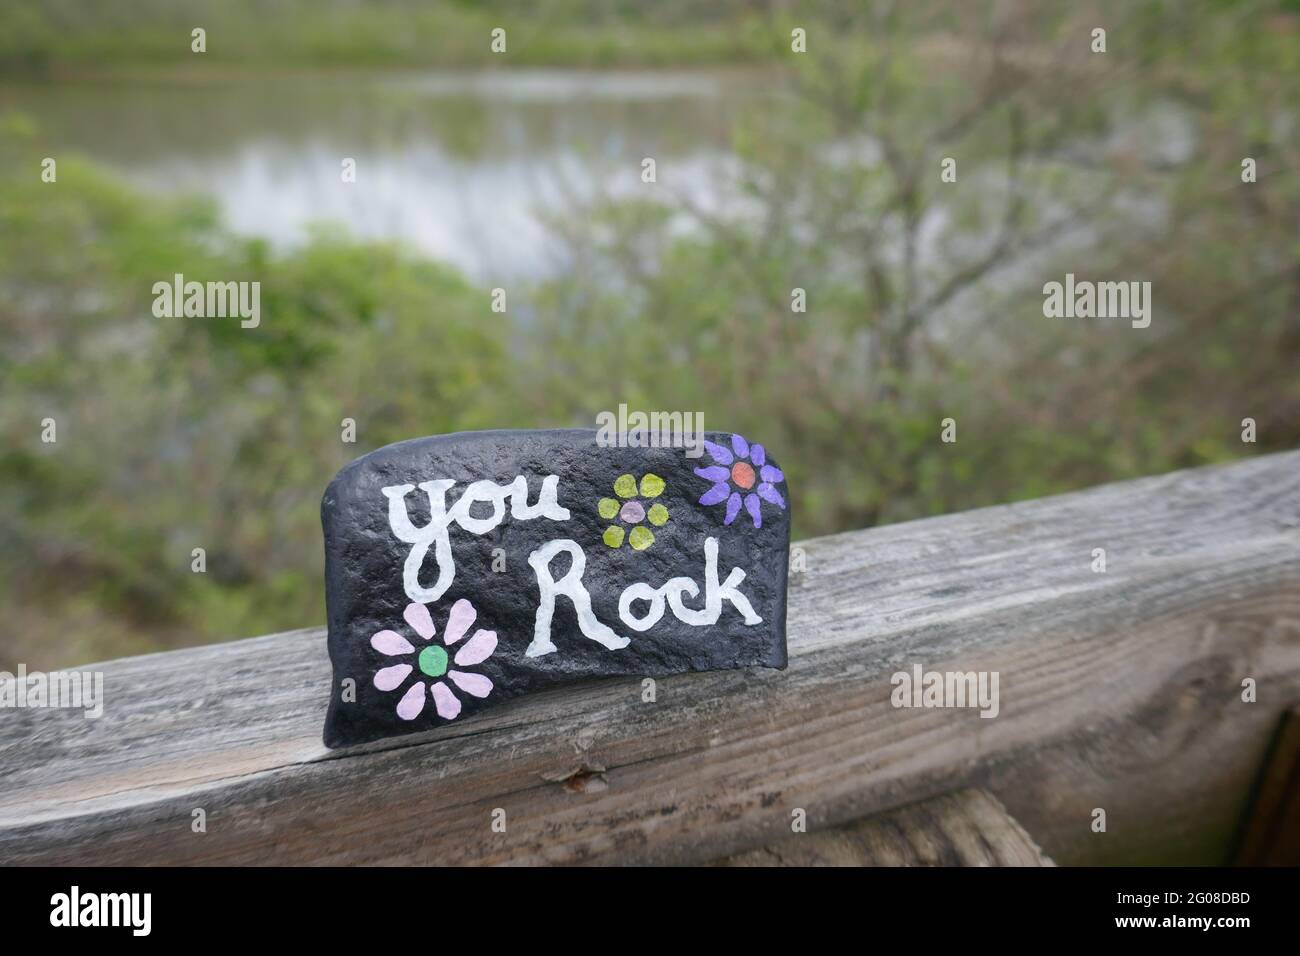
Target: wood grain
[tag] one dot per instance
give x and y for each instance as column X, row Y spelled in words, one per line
column 966, row 828
column 1119, row 691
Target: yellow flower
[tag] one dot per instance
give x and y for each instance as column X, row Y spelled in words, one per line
column 632, row 511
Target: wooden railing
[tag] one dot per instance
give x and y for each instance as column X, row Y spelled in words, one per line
column 1120, row 690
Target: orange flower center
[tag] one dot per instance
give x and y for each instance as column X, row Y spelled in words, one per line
column 742, row 473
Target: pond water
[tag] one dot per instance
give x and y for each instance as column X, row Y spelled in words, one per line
column 464, row 166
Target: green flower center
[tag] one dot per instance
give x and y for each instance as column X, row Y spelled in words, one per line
column 433, row 661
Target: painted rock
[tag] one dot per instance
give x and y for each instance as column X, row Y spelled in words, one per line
column 465, row 570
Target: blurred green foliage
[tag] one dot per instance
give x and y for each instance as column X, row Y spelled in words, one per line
column 76, row 34
column 924, row 299
column 178, row 433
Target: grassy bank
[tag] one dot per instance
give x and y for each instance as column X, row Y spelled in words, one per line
column 71, row 35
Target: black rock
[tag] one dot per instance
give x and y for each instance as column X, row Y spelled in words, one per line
column 432, row 620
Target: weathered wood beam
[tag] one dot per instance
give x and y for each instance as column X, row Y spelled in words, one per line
column 1119, row 690
column 966, row 828
column 1271, row 830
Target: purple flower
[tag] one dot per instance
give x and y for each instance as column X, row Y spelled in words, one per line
column 735, row 476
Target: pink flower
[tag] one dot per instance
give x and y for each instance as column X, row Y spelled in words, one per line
column 432, row 661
